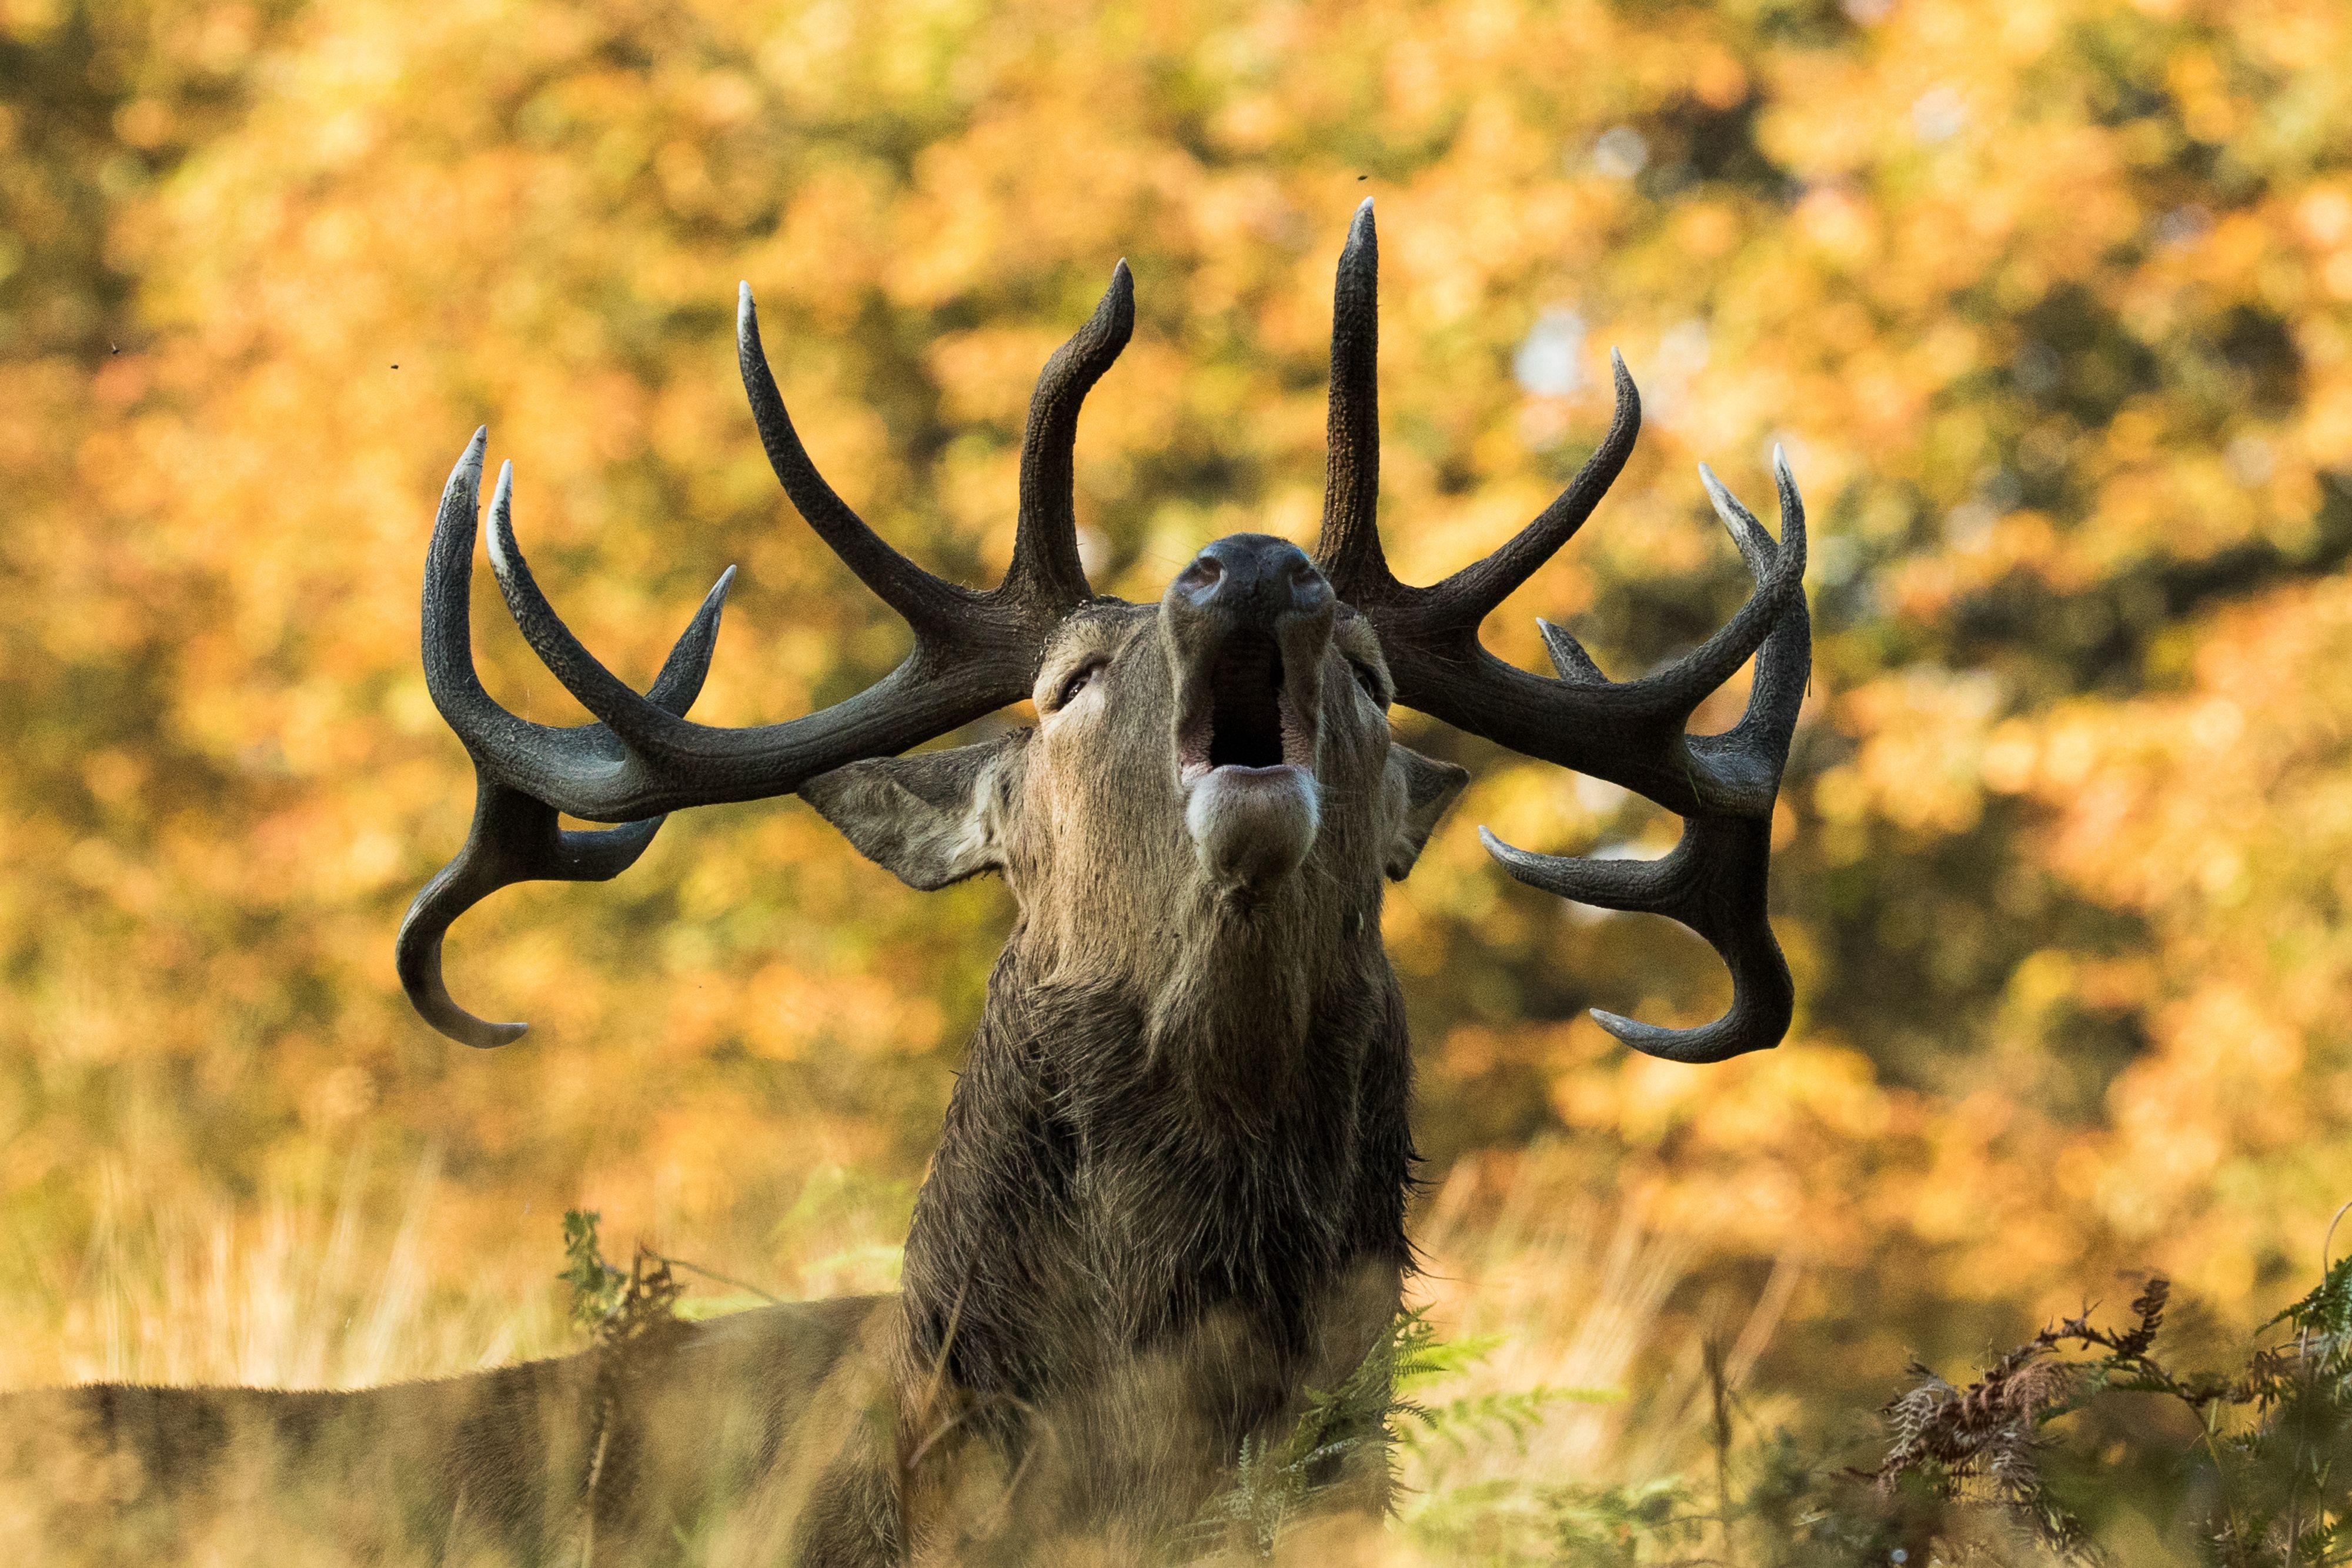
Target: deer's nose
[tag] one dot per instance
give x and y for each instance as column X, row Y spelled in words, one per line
column 1254, row 576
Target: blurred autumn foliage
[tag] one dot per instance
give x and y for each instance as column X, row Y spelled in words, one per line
column 2051, row 303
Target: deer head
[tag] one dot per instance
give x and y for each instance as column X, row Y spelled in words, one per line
column 1224, row 753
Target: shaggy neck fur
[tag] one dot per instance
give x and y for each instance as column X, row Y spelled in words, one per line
column 1166, row 1202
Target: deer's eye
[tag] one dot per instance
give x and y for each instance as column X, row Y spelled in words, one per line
column 1076, row 682
column 1370, row 681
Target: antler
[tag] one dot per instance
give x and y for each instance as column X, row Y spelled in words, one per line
column 1628, row 732
column 974, row 652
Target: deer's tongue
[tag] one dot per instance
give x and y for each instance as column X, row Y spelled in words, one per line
column 1251, row 804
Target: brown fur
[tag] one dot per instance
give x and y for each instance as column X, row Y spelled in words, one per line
column 707, row 1446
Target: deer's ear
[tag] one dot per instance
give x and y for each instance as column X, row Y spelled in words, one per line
column 1419, row 792
column 932, row 819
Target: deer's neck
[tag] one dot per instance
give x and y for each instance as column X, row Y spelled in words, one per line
column 1204, row 1159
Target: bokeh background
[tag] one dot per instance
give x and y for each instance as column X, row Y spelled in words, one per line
column 2050, row 302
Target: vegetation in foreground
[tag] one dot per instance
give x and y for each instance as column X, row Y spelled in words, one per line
column 2086, row 1444
column 1558, row 1417
column 2044, row 1456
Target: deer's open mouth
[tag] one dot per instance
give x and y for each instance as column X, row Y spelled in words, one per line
column 1242, row 719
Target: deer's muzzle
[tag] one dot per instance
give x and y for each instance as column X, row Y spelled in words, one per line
column 1248, row 625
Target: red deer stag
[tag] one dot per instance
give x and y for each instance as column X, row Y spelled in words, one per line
column 1170, row 1193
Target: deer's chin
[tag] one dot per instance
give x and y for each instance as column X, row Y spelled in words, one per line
column 1251, row 825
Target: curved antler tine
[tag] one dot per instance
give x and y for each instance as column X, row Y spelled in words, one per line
column 568, row 659
column 448, row 637
column 417, row 951
column 1568, row 655
column 1635, row 886
column 680, row 681
column 1756, row 546
column 1350, row 550
column 927, row 602
column 626, row 712
column 1784, row 666
column 1477, row 587
column 1792, row 507
column 1046, row 564
column 513, row 839
column 1713, row 882
column 1683, row 685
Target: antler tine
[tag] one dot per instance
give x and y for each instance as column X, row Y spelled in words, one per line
column 1756, row 748
column 680, row 680
column 533, row 757
column 925, row 601
column 1714, row 882
column 1350, row 550
column 1779, row 571
column 1755, row 546
column 513, row 839
column 1046, row 565
column 449, row 611
column 1469, row 594
column 637, row 722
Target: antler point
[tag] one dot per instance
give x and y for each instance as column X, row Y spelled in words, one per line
column 501, row 540
column 1514, row 859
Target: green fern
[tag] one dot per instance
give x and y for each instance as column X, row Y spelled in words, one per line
column 1277, row 1482
column 1616, row 1527
column 1479, row 1418
column 596, row 1285
column 1375, row 1411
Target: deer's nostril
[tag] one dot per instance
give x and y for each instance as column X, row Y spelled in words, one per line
column 1252, row 576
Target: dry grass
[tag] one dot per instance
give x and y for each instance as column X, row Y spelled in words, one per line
column 301, row 1289
column 331, row 1290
